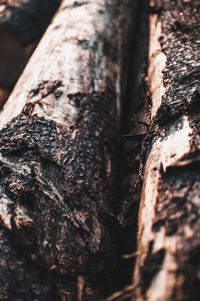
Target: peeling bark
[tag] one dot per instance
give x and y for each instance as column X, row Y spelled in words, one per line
column 22, row 23
column 168, row 266
column 57, row 156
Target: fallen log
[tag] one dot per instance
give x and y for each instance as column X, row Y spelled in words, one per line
column 57, row 156
column 168, row 266
column 21, row 26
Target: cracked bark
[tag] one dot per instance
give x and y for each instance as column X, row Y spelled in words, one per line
column 168, row 265
column 57, row 156
column 22, row 23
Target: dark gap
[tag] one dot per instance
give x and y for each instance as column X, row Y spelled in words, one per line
column 15, row 53
column 138, row 62
column 128, row 165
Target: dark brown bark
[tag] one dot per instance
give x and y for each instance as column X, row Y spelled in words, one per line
column 58, row 156
column 167, row 266
column 21, row 26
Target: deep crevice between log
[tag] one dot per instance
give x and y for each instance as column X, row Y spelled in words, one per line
column 129, row 156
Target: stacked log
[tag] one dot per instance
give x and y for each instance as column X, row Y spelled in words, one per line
column 57, row 156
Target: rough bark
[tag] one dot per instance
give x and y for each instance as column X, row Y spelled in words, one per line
column 22, row 23
column 57, row 156
column 168, row 265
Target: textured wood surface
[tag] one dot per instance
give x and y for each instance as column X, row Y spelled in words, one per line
column 167, row 266
column 58, row 154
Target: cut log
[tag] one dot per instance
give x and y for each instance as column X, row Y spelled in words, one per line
column 57, row 156
column 168, row 265
column 22, row 23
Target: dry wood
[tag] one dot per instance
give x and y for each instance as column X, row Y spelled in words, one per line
column 22, row 23
column 168, row 266
column 58, row 155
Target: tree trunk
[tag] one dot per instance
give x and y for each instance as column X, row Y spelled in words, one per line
column 168, row 266
column 58, row 156
column 22, row 23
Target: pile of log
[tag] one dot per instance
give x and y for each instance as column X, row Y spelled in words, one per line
column 57, row 154
column 63, row 141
